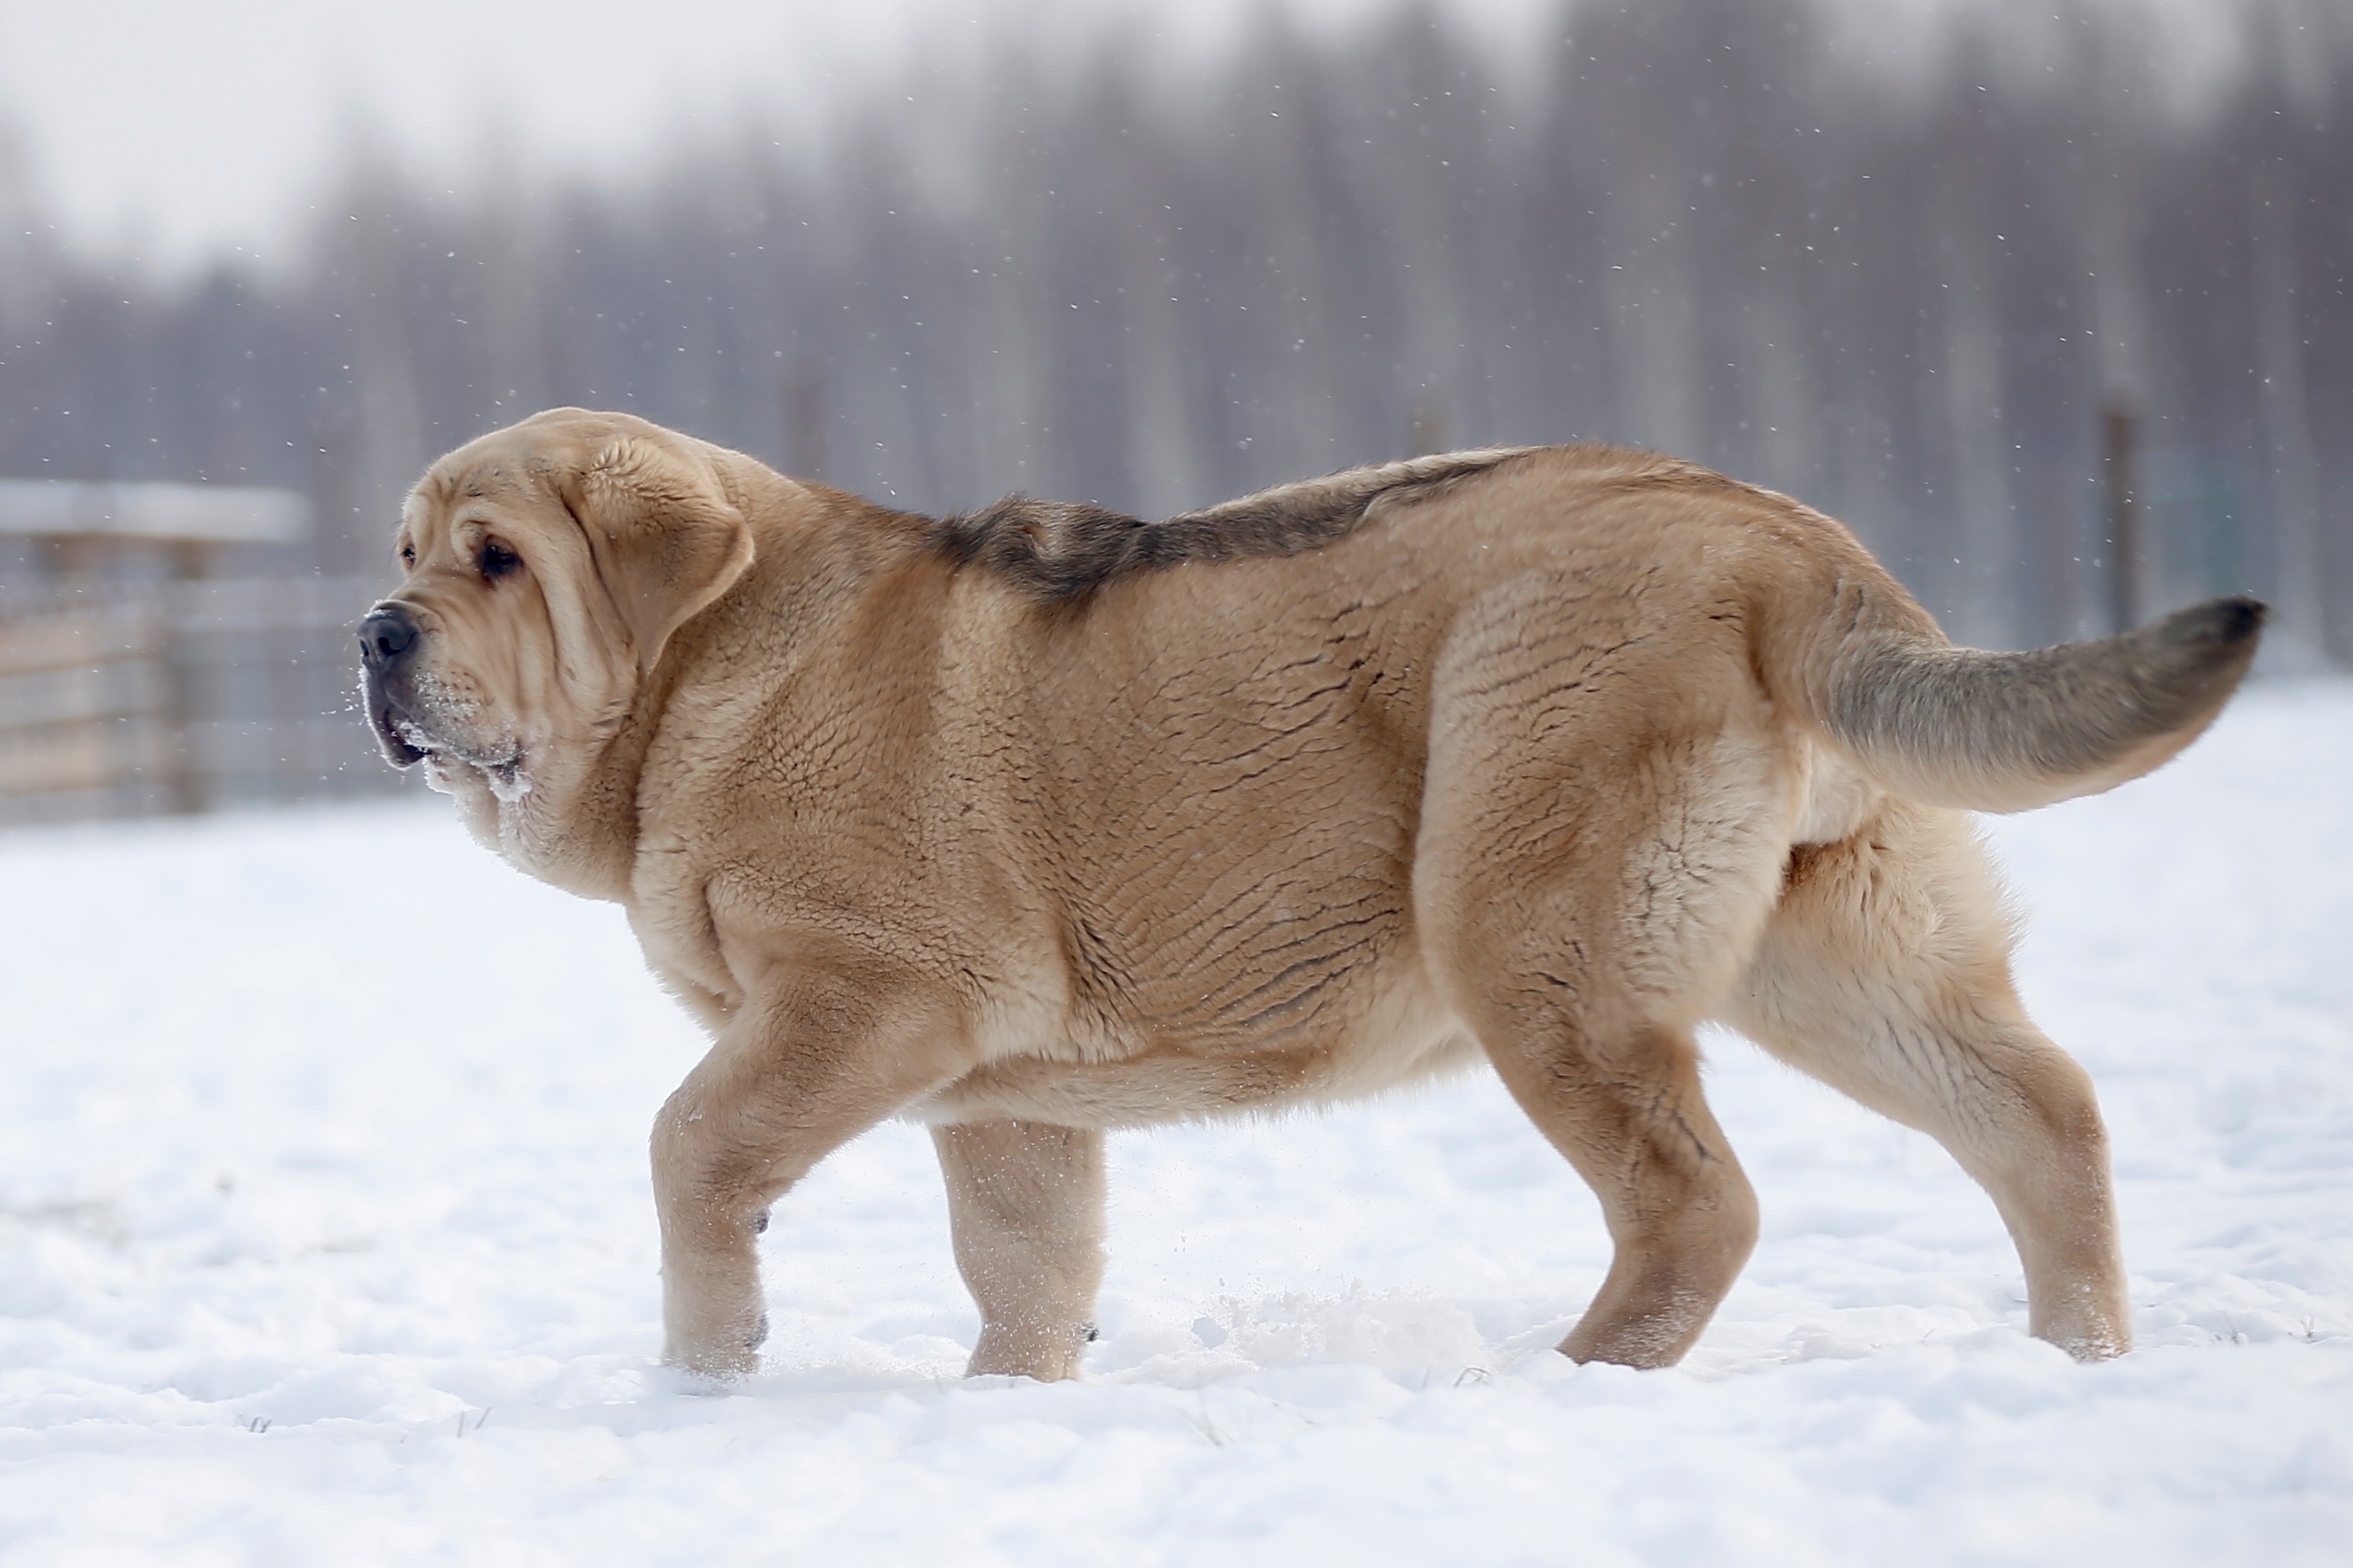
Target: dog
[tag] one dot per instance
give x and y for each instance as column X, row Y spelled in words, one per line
column 1042, row 820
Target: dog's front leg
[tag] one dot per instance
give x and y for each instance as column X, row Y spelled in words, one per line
column 794, row 1074
column 1026, row 1207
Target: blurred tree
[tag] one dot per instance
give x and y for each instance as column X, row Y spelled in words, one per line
column 1908, row 297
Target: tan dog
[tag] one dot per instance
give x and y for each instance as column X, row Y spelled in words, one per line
column 1043, row 821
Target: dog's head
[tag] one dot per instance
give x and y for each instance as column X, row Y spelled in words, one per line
column 548, row 565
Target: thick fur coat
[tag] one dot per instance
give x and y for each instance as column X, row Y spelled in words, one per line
column 1046, row 820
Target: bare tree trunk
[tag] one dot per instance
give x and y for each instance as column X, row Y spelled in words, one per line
column 2294, row 477
column 393, row 444
column 2126, row 536
column 804, row 419
column 1654, row 320
column 2121, row 346
column 1162, row 442
column 1783, row 400
column 1440, row 368
column 1985, row 577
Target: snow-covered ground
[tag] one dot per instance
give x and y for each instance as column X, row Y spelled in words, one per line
column 325, row 1237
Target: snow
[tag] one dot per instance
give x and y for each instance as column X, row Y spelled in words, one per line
column 325, row 1237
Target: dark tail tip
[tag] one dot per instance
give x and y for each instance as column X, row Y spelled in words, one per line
column 2229, row 621
column 2190, row 660
column 2213, row 633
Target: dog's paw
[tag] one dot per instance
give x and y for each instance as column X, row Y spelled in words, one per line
column 725, row 1353
column 676, row 1378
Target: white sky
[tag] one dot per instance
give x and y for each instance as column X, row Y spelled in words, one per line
column 170, row 129
column 173, row 130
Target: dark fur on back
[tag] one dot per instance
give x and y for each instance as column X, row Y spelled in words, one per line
column 1061, row 551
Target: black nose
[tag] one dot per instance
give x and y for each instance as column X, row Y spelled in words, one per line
column 385, row 638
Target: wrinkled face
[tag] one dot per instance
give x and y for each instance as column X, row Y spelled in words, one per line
column 547, row 566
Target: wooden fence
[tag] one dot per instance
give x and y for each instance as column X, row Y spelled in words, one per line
column 141, row 700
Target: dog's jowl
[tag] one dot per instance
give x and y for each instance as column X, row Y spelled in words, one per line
column 1046, row 820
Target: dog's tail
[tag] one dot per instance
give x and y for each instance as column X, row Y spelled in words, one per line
column 1998, row 732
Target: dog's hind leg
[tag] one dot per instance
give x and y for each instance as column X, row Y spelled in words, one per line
column 1627, row 1113
column 1885, row 972
column 1026, row 1208
column 1593, row 868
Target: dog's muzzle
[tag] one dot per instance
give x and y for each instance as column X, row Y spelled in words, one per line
column 388, row 636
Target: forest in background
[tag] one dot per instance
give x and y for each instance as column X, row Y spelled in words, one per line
column 1921, row 300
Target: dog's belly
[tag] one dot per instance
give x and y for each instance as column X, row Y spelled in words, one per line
column 1404, row 1036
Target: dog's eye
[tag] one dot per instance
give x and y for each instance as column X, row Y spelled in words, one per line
column 408, row 555
column 496, row 560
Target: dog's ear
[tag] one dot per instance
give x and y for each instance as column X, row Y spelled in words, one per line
column 667, row 541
